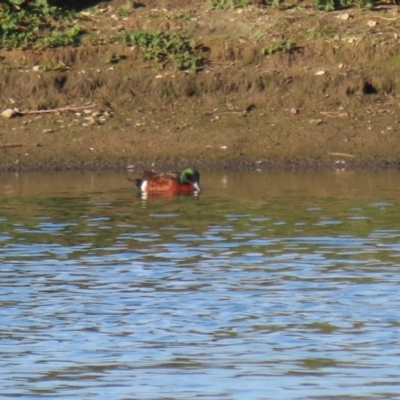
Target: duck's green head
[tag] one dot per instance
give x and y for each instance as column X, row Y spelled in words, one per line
column 191, row 175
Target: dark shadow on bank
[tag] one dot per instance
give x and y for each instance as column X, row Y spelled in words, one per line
column 77, row 5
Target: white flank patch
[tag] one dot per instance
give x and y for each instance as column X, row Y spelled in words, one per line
column 143, row 186
column 196, row 187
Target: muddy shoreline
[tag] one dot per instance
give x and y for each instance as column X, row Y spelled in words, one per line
column 231, row 164
column 330, row 100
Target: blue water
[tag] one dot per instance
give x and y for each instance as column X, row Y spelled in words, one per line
column 267, row 286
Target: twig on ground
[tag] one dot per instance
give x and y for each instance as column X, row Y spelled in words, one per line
column 336, row 114
column 10, row 113
column 57, row 110
column 346, row 155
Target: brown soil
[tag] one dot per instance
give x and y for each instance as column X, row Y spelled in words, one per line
column 332, row 98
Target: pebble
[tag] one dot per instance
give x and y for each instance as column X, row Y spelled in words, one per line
column 9, row 113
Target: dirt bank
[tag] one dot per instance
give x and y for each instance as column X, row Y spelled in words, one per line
column 276, row 87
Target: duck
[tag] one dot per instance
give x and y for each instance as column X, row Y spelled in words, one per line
column 186, row 181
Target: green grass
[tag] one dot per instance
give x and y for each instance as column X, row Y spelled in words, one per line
column 36, row 26
column 321, row 32
column 228, row 4
column 281, row 46
column 163, row 47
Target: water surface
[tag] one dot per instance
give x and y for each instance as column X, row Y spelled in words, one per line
column 269, row 285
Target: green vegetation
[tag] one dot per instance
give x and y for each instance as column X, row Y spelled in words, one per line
column 163, row 47
column 228, row 4
column 62, row 38
column 321, row 32
column 43, row 23
column 281, row 46
column 36, row 24
column 330, row 5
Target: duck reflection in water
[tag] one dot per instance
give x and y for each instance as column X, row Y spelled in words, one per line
column 167, row 196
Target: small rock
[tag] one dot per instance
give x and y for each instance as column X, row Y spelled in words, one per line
column 315, row 121
column 48, row 130
column 371, row 23
column 10, row 113
column 36, row 68
column 320, row 72
column 91, row 121
column 294, row 111
column 85, row 14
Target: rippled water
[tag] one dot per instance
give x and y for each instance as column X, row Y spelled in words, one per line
column 268, row 286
